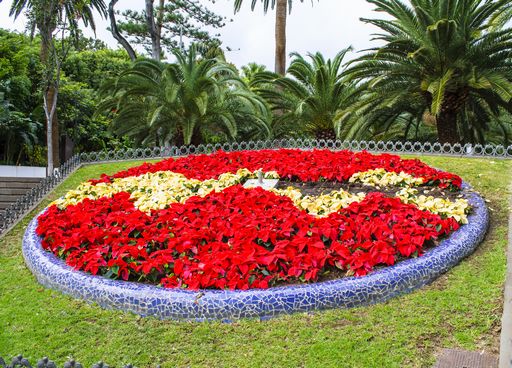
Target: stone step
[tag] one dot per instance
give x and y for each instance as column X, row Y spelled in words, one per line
column 7, row 179
column 17, row 185
column 8, row 198
column 4, row 205
column 11, row 189
column 14, row 191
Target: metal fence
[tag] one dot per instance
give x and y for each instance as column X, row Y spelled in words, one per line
column 26, row 203
column 19, row 361
column 427, row 148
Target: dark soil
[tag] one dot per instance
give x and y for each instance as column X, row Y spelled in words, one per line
column 325, row 187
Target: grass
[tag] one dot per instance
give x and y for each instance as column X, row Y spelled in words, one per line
column 462, row 309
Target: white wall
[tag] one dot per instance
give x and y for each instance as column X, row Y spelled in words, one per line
column 22, row 171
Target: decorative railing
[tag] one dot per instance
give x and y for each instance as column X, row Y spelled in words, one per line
column 19, row 361
column 457, row 149
column 26, row 203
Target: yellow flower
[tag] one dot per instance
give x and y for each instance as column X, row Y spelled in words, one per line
column 157, row 190
column 381, row 177
column 154, row 191
column 440, row 206
column 322, row 205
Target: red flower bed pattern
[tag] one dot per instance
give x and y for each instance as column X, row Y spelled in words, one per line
column 293, row 164
column 246, row 238
column 238, row 238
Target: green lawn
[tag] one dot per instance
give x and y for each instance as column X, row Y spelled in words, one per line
column 462, row 309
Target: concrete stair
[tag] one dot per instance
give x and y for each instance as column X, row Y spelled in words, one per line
column 13, row 188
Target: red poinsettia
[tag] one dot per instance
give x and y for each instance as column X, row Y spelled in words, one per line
column 294, row 164
column 238, row 238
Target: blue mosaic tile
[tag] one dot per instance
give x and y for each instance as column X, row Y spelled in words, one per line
column 226, row 305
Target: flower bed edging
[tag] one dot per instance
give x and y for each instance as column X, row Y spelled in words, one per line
column 226, row 305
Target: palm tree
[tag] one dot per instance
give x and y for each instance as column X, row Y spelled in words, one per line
column 249, row 71
column 47, row 16
column 313, row 97
column 181, row 103
column 407, row 120
column 281, row 6
column 444, row 61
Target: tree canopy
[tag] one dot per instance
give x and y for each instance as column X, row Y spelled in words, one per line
column 311, row 98
column 447, row 61
column 163, row 27
column 183, row 102
column 442, row 72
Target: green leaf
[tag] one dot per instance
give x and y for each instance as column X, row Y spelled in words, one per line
column 202, row 103
column 438, row 91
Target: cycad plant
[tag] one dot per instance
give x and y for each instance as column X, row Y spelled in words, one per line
column 247, row 72
column 448, row 62
column 312, row 98
column 183, row 102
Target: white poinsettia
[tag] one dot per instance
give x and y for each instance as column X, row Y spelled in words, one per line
column 383, row 178
column 440, row 206
column 153, row 191
column 156, row 191
column 322, row 205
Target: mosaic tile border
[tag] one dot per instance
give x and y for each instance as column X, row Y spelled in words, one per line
column 147, row 300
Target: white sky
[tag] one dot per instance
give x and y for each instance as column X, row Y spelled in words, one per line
column 326, row 26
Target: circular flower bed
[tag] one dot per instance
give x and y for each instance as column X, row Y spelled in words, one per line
column 191, row 224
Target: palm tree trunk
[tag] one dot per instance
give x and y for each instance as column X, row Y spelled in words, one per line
column 280, row 34
column 447, row 127
column 50, row 100
column 197, row 138
column 19, row 156
column 179, row 139
column 447, row 119
column 325, row 134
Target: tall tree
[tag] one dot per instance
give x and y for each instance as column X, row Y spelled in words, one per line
column 116, row 33
column 161, row 27
column 282, row 8
column 49, row 17
column 448, row 62
column 181, row 103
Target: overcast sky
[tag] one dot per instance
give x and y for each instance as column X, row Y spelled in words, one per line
column 326, row 26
